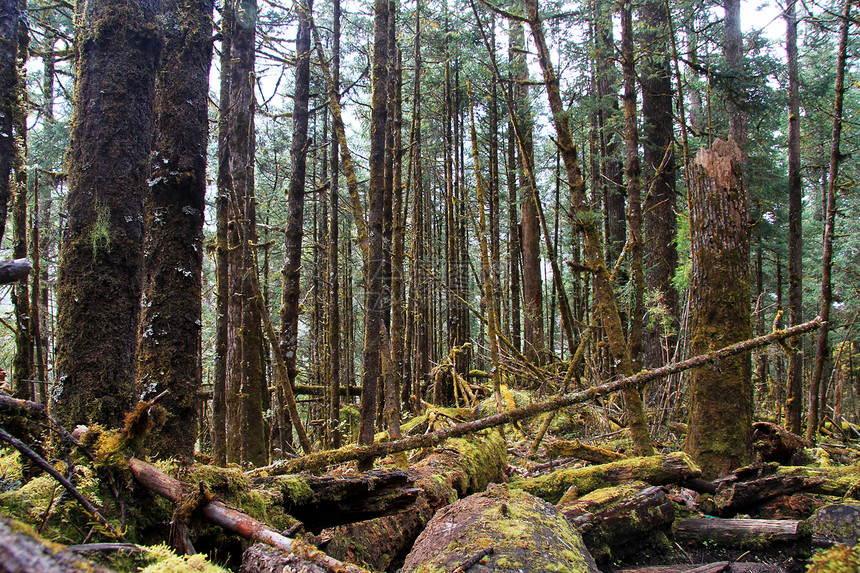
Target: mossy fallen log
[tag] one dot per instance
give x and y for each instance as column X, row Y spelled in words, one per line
column 737, row 497
column 21, row 549
column 507, row 530
column 576, row 449
column 622, row 520
column 456, row 468
column 671, row 468
column 842, row 481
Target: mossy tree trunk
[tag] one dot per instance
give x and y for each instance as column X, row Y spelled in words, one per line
column 8, row 81
column 660, row 225
column 720, row 436
column 170, row 329
column 22, row 364
column 333, row 433
column 244, row 355
column 99, row 275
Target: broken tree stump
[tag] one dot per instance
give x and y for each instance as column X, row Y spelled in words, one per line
column 620, row 521
column 776, row 444
column 675, row 467
column 747, row 533
column 507, row 530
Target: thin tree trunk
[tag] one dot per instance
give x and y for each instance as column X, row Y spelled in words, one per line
column 9, row 16
column 334, row 371
column 375, row 256
column 822, row 350
column 222, row 295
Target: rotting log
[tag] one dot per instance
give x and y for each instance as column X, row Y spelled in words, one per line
column 261, row 558
column 776, row 444
column 736, row 497
column 12, row 271
column 457, row 468
column 311, row 390
column 620, row 521
column 319, row 460
column 510, row 529
column 21, row 549
column 746, row 533
column 576, row 449
column 671, row 468
column 234, row 520
column 842, row 481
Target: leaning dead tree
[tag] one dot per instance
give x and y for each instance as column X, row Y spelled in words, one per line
column 321, row 459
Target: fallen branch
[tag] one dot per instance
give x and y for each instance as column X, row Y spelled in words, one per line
column 14, row 270
column 321, row 459
column 235, row 520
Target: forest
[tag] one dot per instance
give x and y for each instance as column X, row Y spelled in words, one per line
column 327, row 276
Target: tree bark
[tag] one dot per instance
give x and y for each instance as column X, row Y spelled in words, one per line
column 720, row 437
column 375, row 256
column 101, row 258
column 170, row 330
column 660, row 226
column 822, row 350
column 8, row 81
column 333, row 434
column 794, row 404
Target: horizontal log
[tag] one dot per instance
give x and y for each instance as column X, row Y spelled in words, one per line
column 319, row 460
column 21, row 549
column 577, row 449
column 718, row 567
column 14, row 270
column 737, row 497
column 739, row 532
column 234, row 520
column 311, row 390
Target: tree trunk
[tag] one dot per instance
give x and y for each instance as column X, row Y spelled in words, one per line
column 170, row 331
column 533, row 337
column 101, row 257
column 822, row 350
column 334, row 372
column 660, row 224
column 375, row 256
column 8, row 87
column 22, row 363
column 794, row 404
column 246, row 374
column 721, row 396
column 296, row 194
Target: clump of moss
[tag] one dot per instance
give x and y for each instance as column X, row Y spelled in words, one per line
column 164, row 560
column 837, row 559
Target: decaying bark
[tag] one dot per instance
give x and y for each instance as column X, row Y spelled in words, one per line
column 522, row 532
column 841, row 481
column 620, row 521
column 738, row 497
column 739, row 532
column 776, row 444
column 21, row 549
column 656, row 470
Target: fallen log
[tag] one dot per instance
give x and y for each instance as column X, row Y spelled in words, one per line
column 750, row 533
column 506, row 530
column 12, row 271
column 671, row 468
column 315, row 461
column 234, row 520
column 620, row 521
column 776, row 444
column 736, row 497
column 718, row 567
column 457, row 468
column 21, row 549
column 576, row 449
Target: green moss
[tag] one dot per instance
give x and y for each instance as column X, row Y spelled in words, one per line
column 100, row 231
column 295, row 488
column 164, row 560
column 838, row 559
